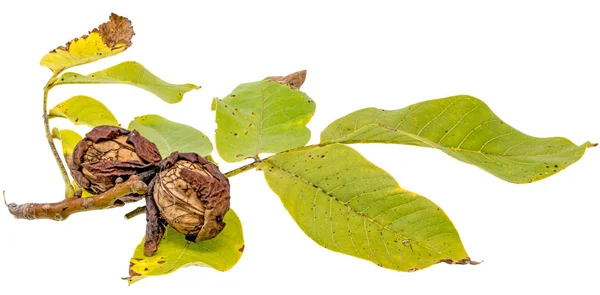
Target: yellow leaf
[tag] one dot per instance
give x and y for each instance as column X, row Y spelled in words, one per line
column 108, row 39
column 69, row 139
column 174, row 252
column 84, row 110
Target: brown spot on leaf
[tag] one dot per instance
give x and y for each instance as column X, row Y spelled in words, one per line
column 462, row 261
column 161, row 262
column 117, row 30
column 294, row 80
column 242, row 248
column 132, row 273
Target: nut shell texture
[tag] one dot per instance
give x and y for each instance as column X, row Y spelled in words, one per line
column 108, row 153
column 192, row 195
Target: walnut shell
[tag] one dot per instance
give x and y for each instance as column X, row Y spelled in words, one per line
column 107, row 153
column 192, row 195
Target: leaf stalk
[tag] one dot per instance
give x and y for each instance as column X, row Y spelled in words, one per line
column 69, row 190
column 243, row 168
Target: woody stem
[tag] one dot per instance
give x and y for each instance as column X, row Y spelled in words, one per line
column 115, row 197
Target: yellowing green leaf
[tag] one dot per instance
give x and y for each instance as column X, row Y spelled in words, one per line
column 174, row 251
column 346, row 204
column 108, row 39
column 464, row 128
column 131, row 73
column 69, row 140
column 267, row 116
column 170, row 136
column 84, row 110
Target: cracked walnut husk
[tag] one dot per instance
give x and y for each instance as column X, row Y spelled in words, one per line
column 192, row 195
column 108, row 153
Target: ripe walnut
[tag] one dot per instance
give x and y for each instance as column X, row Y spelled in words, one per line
column 108, row 153
column 192, row 195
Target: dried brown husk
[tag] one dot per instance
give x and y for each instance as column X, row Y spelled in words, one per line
column 192, row 195
column 108, row 153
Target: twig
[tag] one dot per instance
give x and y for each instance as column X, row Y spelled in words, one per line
column 258, row 160
column 115, row 197
column 69, row 190
column 135, row 212
column 243, row 168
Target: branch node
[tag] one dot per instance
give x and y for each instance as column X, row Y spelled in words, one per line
column 139, row 187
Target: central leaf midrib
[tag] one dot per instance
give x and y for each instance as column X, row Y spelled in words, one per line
column 262, row 121
column 118, row 81
column 355, row 211
column 430, row 143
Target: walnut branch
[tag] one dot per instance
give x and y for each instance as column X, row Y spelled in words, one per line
column 117, row 196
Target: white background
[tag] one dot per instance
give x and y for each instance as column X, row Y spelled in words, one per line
column 537, row 64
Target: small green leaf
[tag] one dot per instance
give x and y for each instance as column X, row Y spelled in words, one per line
column 174, row 251
column 131, row 73
column 261, row 117
column 346, row 204
column 170, row 136
column 464, row 128
column 84, row 110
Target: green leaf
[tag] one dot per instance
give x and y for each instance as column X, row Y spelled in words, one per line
column 131, row 73
column 170, row 136
column 174, row 251
column 84, row 110
column 464, row 128
column 346, row 204
column 261, row 117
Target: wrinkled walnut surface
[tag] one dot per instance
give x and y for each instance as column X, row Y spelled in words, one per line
column 107, row 153
column 192, row 196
